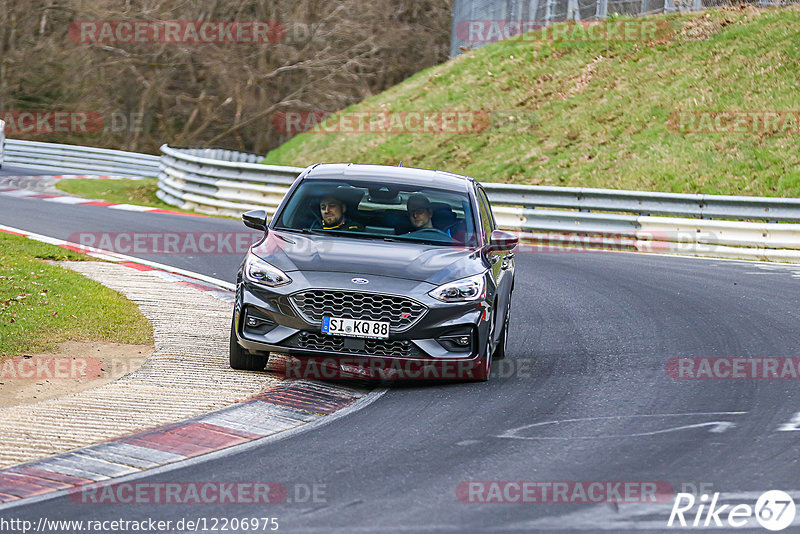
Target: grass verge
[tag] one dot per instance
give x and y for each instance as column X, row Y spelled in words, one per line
column 43, row 304
column 602, row 113
column 122, row 191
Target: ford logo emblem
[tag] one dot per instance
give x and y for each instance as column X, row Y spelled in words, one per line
column 360, row 281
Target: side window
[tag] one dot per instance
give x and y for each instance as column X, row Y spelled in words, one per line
column 486, row 215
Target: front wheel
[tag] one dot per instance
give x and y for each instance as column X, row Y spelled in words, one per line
column 242, row 360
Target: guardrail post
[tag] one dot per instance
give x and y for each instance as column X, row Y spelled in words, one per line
column 602, row 9
column 573, row 11
column 548, row 12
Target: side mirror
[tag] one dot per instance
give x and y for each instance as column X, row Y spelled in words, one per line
column 256, row 219
column 501, row 241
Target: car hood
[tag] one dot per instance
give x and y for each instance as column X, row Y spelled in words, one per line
column 412, row 261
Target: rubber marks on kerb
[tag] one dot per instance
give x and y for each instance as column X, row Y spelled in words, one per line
column 290, row 404
column 307, row 396
column 285, row 406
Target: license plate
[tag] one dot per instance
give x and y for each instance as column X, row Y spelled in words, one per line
column 336, row 326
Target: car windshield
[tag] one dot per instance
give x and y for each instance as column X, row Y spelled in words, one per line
column 380, row 210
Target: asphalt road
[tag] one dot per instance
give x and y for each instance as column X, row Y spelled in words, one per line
column 584, row 395
column 8, row 170
column 117, row 230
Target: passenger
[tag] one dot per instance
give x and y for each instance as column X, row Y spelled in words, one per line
column 333, row 215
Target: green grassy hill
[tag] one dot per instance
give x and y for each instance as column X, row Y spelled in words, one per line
column 577, row 112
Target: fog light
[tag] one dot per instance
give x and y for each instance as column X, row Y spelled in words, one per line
column 253, row 320
column 458, row 342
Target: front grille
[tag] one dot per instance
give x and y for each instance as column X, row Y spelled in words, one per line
column 381, row 347
column 365, row 347
column 401, row 312
column 309, row 340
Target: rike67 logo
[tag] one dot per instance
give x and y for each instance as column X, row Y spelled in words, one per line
column 774, row 510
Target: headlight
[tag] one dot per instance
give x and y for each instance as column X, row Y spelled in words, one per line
column 463, row 290
column 258, row 271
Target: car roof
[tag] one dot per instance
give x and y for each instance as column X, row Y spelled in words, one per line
column 382, row 173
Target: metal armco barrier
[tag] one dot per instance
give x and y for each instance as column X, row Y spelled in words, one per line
column 545, row 217
column 79, row 159
column 645, row 202
column 227, row 182
column 192, row 178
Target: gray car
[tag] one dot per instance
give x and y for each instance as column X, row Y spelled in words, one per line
column 376, row 271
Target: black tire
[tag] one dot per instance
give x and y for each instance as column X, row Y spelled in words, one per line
column 484, row 367
column 500, row 351
column 241, row 359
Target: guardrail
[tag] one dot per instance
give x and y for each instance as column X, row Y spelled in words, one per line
column 192, row 178
column 227, row 182
column 647, row 203
column 79, row 159
column 704, row 225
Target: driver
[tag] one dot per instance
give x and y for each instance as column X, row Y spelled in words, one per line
column 333, row 215
column 420, row 213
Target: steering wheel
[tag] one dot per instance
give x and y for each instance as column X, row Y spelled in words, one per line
column 431, row 232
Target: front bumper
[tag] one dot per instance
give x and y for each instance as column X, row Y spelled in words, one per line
column 268, row 320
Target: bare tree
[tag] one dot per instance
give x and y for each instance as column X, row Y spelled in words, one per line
column 324, row 55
